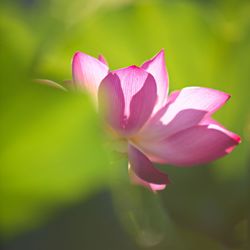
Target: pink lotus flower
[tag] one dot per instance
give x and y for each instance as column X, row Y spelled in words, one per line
column 152, row 126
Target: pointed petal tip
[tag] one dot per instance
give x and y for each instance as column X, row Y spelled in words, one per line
column 162, row 52
column 160, row 55
column 134, row 67
column 226, row 96
column 102, row 59
column 237, row 138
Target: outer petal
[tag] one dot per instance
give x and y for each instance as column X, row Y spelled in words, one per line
column 156, row 66
column 196, row 145
column 138, row 181
column 143, row 171
column 139, row 91
column 88, row 72
column 185, row 109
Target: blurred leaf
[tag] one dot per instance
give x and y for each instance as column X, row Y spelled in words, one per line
column 52, row 149
column 52, row 153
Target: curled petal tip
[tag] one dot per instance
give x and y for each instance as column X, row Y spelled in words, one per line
column 135, row 179
column 144, row 169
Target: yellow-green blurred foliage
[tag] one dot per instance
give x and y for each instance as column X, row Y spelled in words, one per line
column 52, row 143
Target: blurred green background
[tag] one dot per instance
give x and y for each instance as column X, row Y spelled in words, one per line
column 58, row 190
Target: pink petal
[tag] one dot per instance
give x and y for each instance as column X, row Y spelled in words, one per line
column 139, row 91
column 88, row 72
column 156, row 66
column 111, row 101
column 196, row 145
column 185, row 109
column 138, row 181
column 155, row 129
column 143, row 172
column 211, row 123
column 102, row 59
